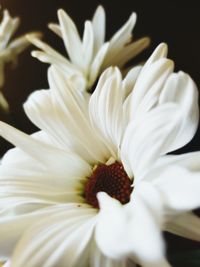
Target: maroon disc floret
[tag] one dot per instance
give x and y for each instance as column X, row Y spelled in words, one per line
column 111, row 179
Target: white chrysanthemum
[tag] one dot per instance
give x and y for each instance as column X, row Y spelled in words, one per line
column 88, row 57
column 95, row 186
column 9, row 50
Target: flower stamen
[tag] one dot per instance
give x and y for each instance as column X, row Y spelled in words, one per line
column 111, row 179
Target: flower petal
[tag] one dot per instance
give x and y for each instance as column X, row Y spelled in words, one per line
column 65, row 163
column 130, row 51
column 55, row 240
column 105, row 108
column 181, row 89
column 97, row 62
column 71, row 38
column 74, row 106
column 51, row 56
column 98, row 259
column 180, row 188
column 149, row 85
column 121, row 230
column 119, row 39
column 186, row 225
column 98, row 23
column 87, row 46
column 140, row 149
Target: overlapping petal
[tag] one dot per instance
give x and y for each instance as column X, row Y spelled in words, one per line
column 122, row 230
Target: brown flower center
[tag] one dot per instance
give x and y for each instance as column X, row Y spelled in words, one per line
column 111, row 179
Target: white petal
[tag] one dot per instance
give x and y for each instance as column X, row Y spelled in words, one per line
column 50, row 55
column 160, row 52
column 149, row 85
column 180, row 88
column 71, row 38
column 58, row 238
column 98, row 23
column 55, row 160
column 130, row 80
column 55, row 28
column 180, row 188
column 106, row 108
column 130, row 230
column 120, row 38
column 130, row 51
column 140, row 149
column 87, row 45
column 186, row 225
column 97, row 62
column 74, row 106
column 98, row 259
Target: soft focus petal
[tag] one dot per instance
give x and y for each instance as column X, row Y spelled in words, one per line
column 98, row 23
column 179, row 187
column 67, row 163
column 71, row 38
column 119, row 39
column 186, row 225
column 130, row 230
column 55, row 240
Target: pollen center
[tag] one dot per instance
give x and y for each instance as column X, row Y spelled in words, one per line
column 111, row 179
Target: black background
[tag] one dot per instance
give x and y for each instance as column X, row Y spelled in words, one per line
column 174, row 22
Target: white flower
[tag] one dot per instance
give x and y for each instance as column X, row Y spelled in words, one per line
column 9, row 50
column 88, row 57
column 108, row 150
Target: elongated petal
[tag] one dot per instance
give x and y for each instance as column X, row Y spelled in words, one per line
column 87, row 46
column 130, row 51
column 98, row 259
column 149, row 85
column 98, row 23
column 63, row 229
column 71, row 38
column 121, row 230
column 67, row 163
column 8, row 27
column 13, row 226
column 50, row 55
column 106, row 108
column 120, row 38
column 75, row 109
column 130, row 80
column 55, row 28
column 181, row 89
column 97, row 63
column 186, row 225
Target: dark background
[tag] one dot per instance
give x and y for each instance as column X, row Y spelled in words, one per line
column 174, row 22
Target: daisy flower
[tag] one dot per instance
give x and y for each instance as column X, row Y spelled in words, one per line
column 9, row 50
column 91, row 55
column 95, row 187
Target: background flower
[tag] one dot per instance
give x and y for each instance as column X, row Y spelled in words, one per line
column 9, row 50
column 91, row 55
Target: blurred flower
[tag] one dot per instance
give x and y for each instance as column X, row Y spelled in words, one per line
column 90, row 56
column 95, row 185
column 9, row 50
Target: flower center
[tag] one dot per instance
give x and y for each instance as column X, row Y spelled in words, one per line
column 111, row 179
